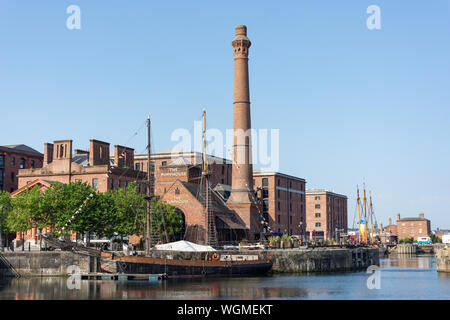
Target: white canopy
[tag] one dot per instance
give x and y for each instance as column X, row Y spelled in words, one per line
column 184, row 246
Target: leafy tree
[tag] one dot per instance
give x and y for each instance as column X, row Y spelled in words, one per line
column 129, row 211
column 26, row 207
column 6, row 204
column 82, row 209
column 165, row 219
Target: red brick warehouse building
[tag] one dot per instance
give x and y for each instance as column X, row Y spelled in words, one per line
column 12, row 159
column 283, row 201
column 326, row 215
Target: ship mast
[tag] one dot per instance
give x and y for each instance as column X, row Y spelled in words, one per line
column 365, row 214
column 359, row 215
column 148, row 242
column 371, row 219
column 205, row 177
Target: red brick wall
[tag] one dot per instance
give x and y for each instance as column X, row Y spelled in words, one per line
column 10, row 171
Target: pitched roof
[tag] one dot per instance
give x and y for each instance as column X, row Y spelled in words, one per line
column 22, row 147
column 33, row 183
column 217, row 204
column 180, row 161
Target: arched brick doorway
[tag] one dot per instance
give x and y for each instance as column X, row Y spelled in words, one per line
column 180, row 235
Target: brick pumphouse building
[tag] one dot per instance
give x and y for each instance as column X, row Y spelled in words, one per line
column 13, row 158
column 326, row 215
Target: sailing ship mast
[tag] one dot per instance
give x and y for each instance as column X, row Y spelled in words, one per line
column 148, row 241
column 359, row 215
column 365, row 214
column 206, row 182
column 371, row 219
column 209, row 219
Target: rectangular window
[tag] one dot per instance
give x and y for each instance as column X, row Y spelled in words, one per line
column 2, row 161
column 265, row 182
column 12, row 176
column 278, row 218
column 318, row 224
column 317, row 215
column 317, row 206
column 118, row 183
column 22, row 163
column 223, row 169
column 290, row 206
column 420, row 230
column 95, row 183
column 317, row 198
column 138, row 166
column 13, row 161
column 164, row 163
column 279, row 206
column 32, row 163
column 111, row 184
column 265, row 193
column 1, row 175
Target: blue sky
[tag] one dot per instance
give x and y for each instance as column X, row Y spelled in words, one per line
column 352, row 104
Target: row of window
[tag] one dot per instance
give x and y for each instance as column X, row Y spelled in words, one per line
column 13, row 162
column 265, row 183
column 411, row 231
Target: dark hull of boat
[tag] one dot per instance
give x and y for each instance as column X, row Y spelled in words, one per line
column 201, row 268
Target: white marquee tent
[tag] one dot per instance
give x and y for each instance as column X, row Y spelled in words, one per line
column 184, row 246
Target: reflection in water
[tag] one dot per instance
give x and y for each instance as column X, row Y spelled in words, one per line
column 408, row 261
column 396, row 278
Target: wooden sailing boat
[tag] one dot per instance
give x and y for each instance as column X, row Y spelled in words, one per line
column 209, row 263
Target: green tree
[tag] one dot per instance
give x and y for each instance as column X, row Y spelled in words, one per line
column 6, row 204
column 165, row 219
column 129, row 211
column 81, row 209
column 26, row 206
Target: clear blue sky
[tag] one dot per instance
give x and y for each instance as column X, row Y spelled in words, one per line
column 351, row 104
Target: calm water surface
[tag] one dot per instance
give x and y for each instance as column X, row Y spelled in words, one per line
column 413, row 277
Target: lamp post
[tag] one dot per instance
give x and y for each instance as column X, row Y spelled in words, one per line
column 301, row 230
column 1, row 226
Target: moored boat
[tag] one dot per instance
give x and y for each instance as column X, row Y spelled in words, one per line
column 222, row 266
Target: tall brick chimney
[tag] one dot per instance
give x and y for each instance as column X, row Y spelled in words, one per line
column 421, row 215
column 98, row 153
column 48, row 153
column 390, row 221
column 398, row 216
column 123, row 157
column 240, row 199
column 62, row 150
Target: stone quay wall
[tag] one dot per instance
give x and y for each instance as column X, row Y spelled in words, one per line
column 443, row 260
column 46, row 263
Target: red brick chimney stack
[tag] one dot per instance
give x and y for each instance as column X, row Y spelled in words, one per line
column 98, row 152
column 240, row 199
column 48, row 153
column 242, row 172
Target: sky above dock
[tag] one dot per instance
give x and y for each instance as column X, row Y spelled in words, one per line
column 352, row 104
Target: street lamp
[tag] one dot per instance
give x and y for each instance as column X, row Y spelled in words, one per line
column 301, row 230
